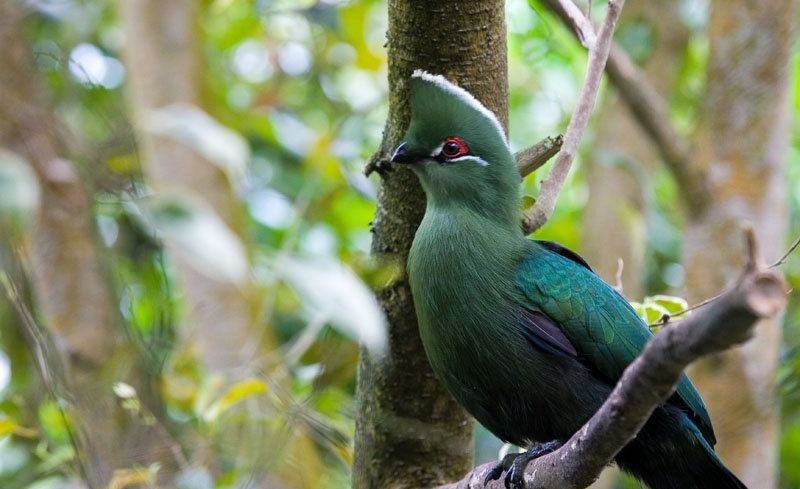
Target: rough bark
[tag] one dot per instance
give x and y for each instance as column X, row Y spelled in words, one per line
column 623, row 154
column 70, row 286
column 409, row 431
column 534, row 157
column 741, row 146
column 164, row 64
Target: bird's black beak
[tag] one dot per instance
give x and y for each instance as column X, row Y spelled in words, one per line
column 403, row 155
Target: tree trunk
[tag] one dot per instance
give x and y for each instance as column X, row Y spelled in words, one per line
column 70, row 286
column 741, row 147
column 409, row 431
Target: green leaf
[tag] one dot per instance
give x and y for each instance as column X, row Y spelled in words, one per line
column 7, row 427
column 52, row 421
column 527, row 202
column 62, row 455
column 639, row 308
column 653, row 312
column 654, row 308
column 55, row 482
column 671, row 304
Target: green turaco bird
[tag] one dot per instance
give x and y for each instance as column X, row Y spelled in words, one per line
column 521, row 332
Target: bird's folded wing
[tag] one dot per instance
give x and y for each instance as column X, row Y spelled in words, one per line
column 576, row 313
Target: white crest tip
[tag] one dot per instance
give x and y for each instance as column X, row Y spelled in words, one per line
column 463, row 95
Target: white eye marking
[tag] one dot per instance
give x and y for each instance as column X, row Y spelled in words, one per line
column 437, row 151
column 474, row 159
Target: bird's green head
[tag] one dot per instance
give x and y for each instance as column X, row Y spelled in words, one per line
column 458, row 149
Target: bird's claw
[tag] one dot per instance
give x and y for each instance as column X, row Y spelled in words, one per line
column 494, row 474
column 500, row 467
column 515, row 477
column 514, row 464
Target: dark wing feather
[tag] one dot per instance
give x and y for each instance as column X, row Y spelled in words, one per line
column 545, row 334
column 598, row 323
column 565, row 252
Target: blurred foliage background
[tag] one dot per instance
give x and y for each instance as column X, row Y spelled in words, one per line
column 291, row 106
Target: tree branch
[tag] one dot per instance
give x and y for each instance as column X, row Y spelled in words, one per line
column 647, row 106
column 759, row 293
column 663, row 320
column 534, row 157
column 537, row 215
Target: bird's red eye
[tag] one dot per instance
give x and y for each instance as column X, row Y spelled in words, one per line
column 454, row 147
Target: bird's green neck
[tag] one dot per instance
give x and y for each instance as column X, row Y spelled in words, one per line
column 471, row 227
column 470, row 208
column 457, row 244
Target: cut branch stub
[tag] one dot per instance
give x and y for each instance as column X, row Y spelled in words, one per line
column 534, row 157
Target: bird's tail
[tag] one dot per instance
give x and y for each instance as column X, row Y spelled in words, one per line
column 671, row 453
column 710, row 471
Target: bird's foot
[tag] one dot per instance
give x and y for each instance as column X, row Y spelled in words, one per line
column 500, row 467
column 515, row 477
column 514, row 464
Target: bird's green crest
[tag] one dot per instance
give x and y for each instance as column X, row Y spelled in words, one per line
column 458, row 148
column 435, row 101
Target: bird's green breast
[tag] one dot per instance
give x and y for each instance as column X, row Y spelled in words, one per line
column 461, row 270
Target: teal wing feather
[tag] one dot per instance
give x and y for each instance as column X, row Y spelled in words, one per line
column 603, row 327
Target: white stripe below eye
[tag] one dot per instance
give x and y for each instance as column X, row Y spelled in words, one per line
column 476, row 159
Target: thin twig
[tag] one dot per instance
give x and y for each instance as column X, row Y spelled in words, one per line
column 50, row 365
column 778, row 263
column 786, row 255
column 582, row 24
column 648, row 107
column 618, row 275
column 751, row 253
column 663, row 321
column 536, row 216
column 377, row 163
